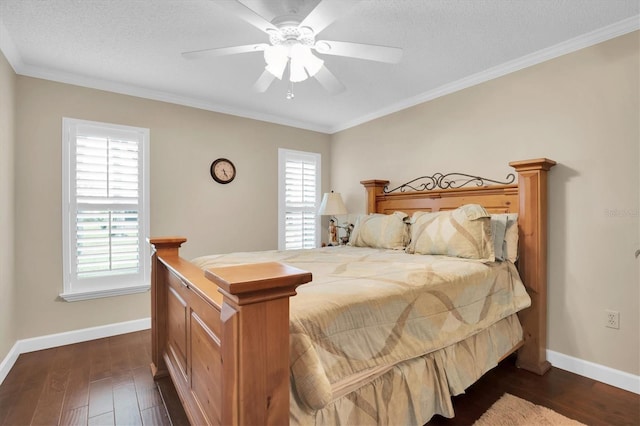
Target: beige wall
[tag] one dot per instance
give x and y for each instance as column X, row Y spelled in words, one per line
column 7, row 143
column 580, row 110
column 184, row 199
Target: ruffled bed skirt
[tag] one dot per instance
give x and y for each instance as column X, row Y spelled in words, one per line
column 411, row 392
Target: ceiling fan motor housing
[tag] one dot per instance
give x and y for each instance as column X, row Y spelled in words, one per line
column 289, row 33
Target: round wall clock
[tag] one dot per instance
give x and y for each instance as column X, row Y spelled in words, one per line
column 223, row 170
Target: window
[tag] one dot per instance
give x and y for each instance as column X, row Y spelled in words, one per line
column 298, row 199
column 105, row 209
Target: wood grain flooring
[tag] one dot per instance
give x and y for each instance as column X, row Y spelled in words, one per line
column 577, row 397
column 101, row 382
column 108, row 382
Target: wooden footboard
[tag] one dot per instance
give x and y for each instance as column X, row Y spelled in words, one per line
column 226, row 347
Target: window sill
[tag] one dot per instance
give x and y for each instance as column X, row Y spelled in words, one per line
column 96, row 294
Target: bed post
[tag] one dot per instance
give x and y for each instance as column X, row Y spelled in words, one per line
column 160, row 247
column 373, row 188
column 255, row 329
column 532, row 192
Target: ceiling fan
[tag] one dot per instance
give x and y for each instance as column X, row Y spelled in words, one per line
column 292, row 42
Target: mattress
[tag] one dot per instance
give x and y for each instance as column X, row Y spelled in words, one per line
column 368, row 312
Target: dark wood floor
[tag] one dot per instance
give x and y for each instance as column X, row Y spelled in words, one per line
column 573, row 396
column 101, row 382
column 108, row 382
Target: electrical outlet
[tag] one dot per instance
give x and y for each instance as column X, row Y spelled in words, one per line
column 612, row 319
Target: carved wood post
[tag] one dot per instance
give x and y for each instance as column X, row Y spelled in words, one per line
column 532, row 183
column 164, row 247
column 255, row 332
column 373, row 188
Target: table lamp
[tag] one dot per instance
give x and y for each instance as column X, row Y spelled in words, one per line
column 332, row 205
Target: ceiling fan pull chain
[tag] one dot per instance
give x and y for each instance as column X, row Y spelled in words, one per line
column 290, row 94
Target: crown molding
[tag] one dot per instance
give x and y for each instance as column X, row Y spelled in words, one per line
column 586, row 40
column 157, row 95
column 10, row 52
column 589, row 39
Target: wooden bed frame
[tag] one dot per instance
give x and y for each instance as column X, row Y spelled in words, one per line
column 223, row 335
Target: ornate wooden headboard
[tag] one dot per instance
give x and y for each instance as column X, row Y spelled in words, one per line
column 528, row 198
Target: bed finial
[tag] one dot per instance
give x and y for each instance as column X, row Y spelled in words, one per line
column 373, row 187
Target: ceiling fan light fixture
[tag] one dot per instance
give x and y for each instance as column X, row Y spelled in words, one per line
column 304, row 64
column 292, row 44
column 296, row 70
column 276, row 54
column 276, row 70
column 311, row 62
column 276, row 58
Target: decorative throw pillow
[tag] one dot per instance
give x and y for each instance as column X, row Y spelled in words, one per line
column 464, row 232
column 381, row 231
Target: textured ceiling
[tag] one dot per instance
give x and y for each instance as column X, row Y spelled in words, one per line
column 134, row 47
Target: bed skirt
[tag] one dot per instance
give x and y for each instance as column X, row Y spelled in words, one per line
column 411, row 392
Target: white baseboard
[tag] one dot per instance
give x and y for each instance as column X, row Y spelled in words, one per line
column 68, row 338
column 601, row 373
column 8, row 362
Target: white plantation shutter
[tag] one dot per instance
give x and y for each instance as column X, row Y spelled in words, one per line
column 299, row 199
column 106, row 209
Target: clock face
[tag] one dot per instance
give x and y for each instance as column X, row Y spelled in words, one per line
column 223, row 170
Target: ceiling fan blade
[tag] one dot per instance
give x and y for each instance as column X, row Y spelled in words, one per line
column 263, row 82
column 329, row 81
column 223, row 51
column 248, row 15
column 370, row 52
column 325, row 13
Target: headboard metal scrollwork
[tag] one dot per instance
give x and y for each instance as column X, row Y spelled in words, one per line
column 447, row 181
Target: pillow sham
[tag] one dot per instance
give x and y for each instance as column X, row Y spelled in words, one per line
column 389, row 231
column 508, row 242
column 464, row 232
column 510, row 245
column 498, row 230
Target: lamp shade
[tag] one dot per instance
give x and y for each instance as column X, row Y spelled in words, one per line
column 277, row 59
column 296, row 70
column 331, row 205
column 302, row 62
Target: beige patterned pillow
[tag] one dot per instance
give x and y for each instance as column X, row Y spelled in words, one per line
column 381, row 231
column 464, row 232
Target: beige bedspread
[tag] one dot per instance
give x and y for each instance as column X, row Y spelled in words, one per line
column 367, row 310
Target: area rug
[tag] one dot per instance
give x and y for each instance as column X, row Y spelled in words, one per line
column 511, row 411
